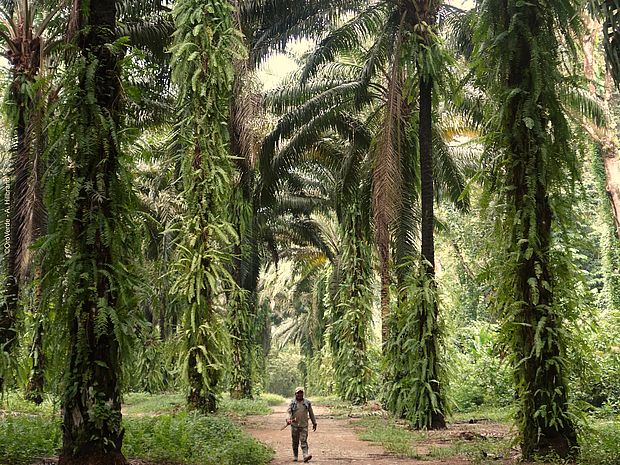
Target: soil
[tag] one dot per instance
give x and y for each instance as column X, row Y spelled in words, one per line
column 335, row 441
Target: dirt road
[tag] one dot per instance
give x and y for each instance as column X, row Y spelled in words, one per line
column 334, row 442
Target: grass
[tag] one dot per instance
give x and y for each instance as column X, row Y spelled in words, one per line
column 495, row 414
column 600, row 445
column 193, row 439
column 156, row 428
column 272, row 399
column 14, row 402
column 144, row 404
column 393, row 437
column 397, row 439
column 342, row 409
column 25, row 438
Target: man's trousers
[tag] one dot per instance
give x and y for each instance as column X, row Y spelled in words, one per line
column 300, row 434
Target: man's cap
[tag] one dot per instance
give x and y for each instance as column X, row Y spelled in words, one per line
column 299, row 389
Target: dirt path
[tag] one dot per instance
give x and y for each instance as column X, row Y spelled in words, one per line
column 334, row 442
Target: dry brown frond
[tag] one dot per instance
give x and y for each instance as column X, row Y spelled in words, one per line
column 387, row 177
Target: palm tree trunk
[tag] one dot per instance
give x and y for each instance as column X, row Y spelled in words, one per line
column 604, row 137
column 428, row 246
column 384, row 272
column 8, row 310
column 36, row 383
column 246, row 262
column 92, row 432
column 426, row 175
column 539, row 372
column 17, row 188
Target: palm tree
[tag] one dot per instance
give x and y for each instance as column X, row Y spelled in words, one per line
column 350, row 100
column 203, row 71
column 267, row 25
column 609, row 11
column 389, row 29
column 519, row 47
column 90, row 235
column 27, row 33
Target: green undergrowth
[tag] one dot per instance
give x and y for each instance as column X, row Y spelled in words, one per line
column 272, row 399
column 600, row 443
column 340, row 409
column 24, row 438
column 144, row 404
column 192, row 439
column 156, row 428
column 14, row 403
column 243, row 407
column 397, row 438
column 394, row 438
column 494, row 414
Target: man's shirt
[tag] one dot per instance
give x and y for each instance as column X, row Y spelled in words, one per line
column 299, row 412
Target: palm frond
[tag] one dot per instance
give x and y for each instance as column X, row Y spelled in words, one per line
column 450, row 179
column 357, row 30
column 281, row 21
column 386, row 177
column 460, row 28
column 580, row 104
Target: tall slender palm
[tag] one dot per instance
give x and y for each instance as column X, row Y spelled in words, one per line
column 520, row 48
column 429, row 405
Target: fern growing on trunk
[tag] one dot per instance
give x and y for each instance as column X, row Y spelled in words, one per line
column 205, row 46
column 520, row 49
column 90, row 236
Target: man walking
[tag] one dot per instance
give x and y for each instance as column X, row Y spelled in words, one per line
column 298, row 412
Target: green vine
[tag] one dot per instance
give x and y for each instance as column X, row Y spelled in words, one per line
column 90, row 238
column 205, row 47
column 518, row 57
column 350, row 331
column 414, row 387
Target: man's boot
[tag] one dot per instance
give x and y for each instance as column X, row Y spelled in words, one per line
column 307, row 458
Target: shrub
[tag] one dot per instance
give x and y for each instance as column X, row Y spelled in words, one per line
column 284, row 373
column 479, row 376
column 272, row 399
column 26, row 438
column 184, row 438
column 601, row 444
column 192, row 438
column 245, row 406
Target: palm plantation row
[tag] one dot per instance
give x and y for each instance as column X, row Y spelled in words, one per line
column 151, row 180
